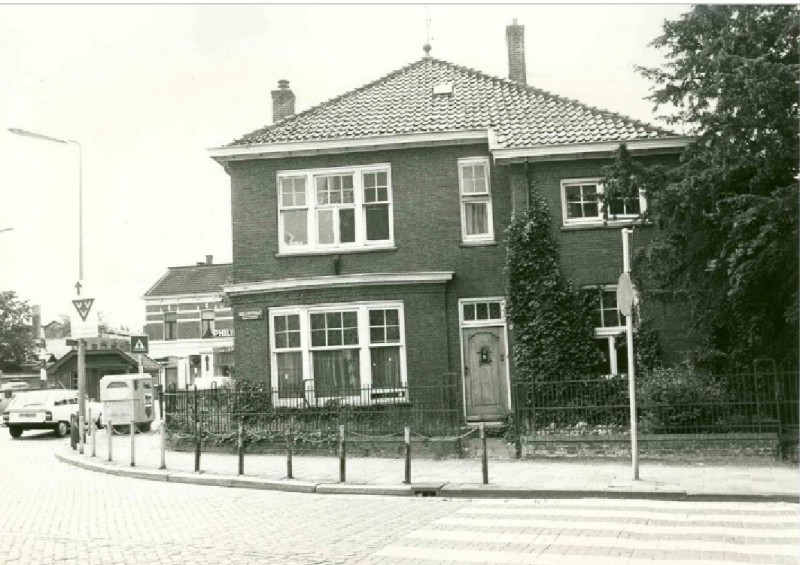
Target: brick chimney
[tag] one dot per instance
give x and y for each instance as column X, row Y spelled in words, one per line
column 282, row 101
column 515, row 38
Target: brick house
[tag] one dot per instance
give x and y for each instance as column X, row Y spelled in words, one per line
column 190, row 325
column 368, row 231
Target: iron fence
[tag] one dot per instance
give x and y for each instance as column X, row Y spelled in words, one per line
column 669, row 401
column 431, row 410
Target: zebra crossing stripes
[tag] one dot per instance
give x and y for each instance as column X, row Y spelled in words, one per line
column 602, row 532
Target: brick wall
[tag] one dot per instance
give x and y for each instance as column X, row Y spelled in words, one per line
column 425, row 324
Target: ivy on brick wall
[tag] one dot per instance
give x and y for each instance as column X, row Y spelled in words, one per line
column 552, row 321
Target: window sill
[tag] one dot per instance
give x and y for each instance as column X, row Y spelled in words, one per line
column 478, row 243
column 335, row 252
column 605, row 225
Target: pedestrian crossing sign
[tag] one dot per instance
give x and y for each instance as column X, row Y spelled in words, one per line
column 139, row 344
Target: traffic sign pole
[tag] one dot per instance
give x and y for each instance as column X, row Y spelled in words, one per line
column 628, row 313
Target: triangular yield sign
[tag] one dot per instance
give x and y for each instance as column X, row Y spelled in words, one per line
column 83, row 306
column 138, row 346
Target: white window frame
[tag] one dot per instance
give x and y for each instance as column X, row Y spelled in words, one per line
column 475, row 198
column 367, row 395
column 610, row 334
column 213, row 323
column 599, row 219
column 311, row 207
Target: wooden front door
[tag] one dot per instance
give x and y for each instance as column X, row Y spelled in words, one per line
column 485, row 381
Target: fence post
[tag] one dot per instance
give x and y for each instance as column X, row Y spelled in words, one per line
column 289, row 445
column 408, row 455
column 342, row 454
column 484, row 458
column 240, row 445
column 133, row 449
column 163, row 434
column 109, row 434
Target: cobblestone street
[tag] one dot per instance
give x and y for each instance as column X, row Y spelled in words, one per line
column 57, row 513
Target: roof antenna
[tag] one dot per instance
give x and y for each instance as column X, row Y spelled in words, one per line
column 427, row 46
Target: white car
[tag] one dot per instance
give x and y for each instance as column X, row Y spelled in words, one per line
column 45, row 410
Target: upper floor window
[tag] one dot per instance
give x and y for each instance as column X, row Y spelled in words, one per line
column 476, row 200
column 207, row 324
column 582, row 203
column 335, row 209
column 170, row 325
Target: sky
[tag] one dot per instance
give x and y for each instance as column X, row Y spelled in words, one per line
column 146, row 90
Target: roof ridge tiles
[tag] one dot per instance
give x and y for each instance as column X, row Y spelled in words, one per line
column 526, row 111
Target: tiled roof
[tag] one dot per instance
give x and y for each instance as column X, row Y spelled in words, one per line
column 192, row 279
column 403, row 102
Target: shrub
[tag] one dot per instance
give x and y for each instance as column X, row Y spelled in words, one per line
column 681, row 400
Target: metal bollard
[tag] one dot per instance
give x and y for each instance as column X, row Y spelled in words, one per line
column 81, row 433
column 109, row 435
column 73, row 431
column 94, row 435
column 197, row 448
column 240, row 447
column 408, row 455
column 484, row 457
column 342, row 455
column 163, row 434
column 133, row 449
column 289, row 453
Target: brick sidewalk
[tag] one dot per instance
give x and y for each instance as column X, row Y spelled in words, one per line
column 463, row 477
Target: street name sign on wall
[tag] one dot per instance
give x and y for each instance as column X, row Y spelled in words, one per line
column 250, row 314
column 83, row 318
column 139, row 344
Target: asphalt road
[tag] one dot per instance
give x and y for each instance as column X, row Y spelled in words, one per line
column 55, row 513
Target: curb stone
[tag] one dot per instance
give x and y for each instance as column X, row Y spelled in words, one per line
column 443, row 490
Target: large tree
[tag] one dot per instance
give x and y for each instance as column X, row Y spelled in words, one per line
column 728, row 213
column 16, row 333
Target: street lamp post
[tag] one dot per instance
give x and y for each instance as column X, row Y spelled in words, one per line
column 81, row 342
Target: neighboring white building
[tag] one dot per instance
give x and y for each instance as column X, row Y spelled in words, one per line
column 190, row 326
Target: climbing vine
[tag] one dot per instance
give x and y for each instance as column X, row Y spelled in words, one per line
column 552, row 321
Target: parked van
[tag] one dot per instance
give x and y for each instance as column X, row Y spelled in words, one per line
column 45, row 410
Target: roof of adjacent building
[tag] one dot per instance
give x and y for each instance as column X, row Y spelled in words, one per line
column 191, row 279
column 403, row 102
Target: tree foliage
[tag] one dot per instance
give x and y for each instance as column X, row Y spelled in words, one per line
column 16, row 333
column 728, row 213
column 552, row 321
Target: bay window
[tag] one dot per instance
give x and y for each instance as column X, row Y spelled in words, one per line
column 346, row 208
column 337, row 351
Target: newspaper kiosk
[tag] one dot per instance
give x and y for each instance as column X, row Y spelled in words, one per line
column 126, row 399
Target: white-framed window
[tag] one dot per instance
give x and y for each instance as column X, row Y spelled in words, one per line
column 482, row 311
column 343, row 208
column 344, row 351
column 207, row 324
column 582, row 203
column 476, row 200
column 609, row 330
column 170, row 325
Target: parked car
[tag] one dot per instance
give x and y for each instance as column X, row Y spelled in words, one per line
column 46, row 410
